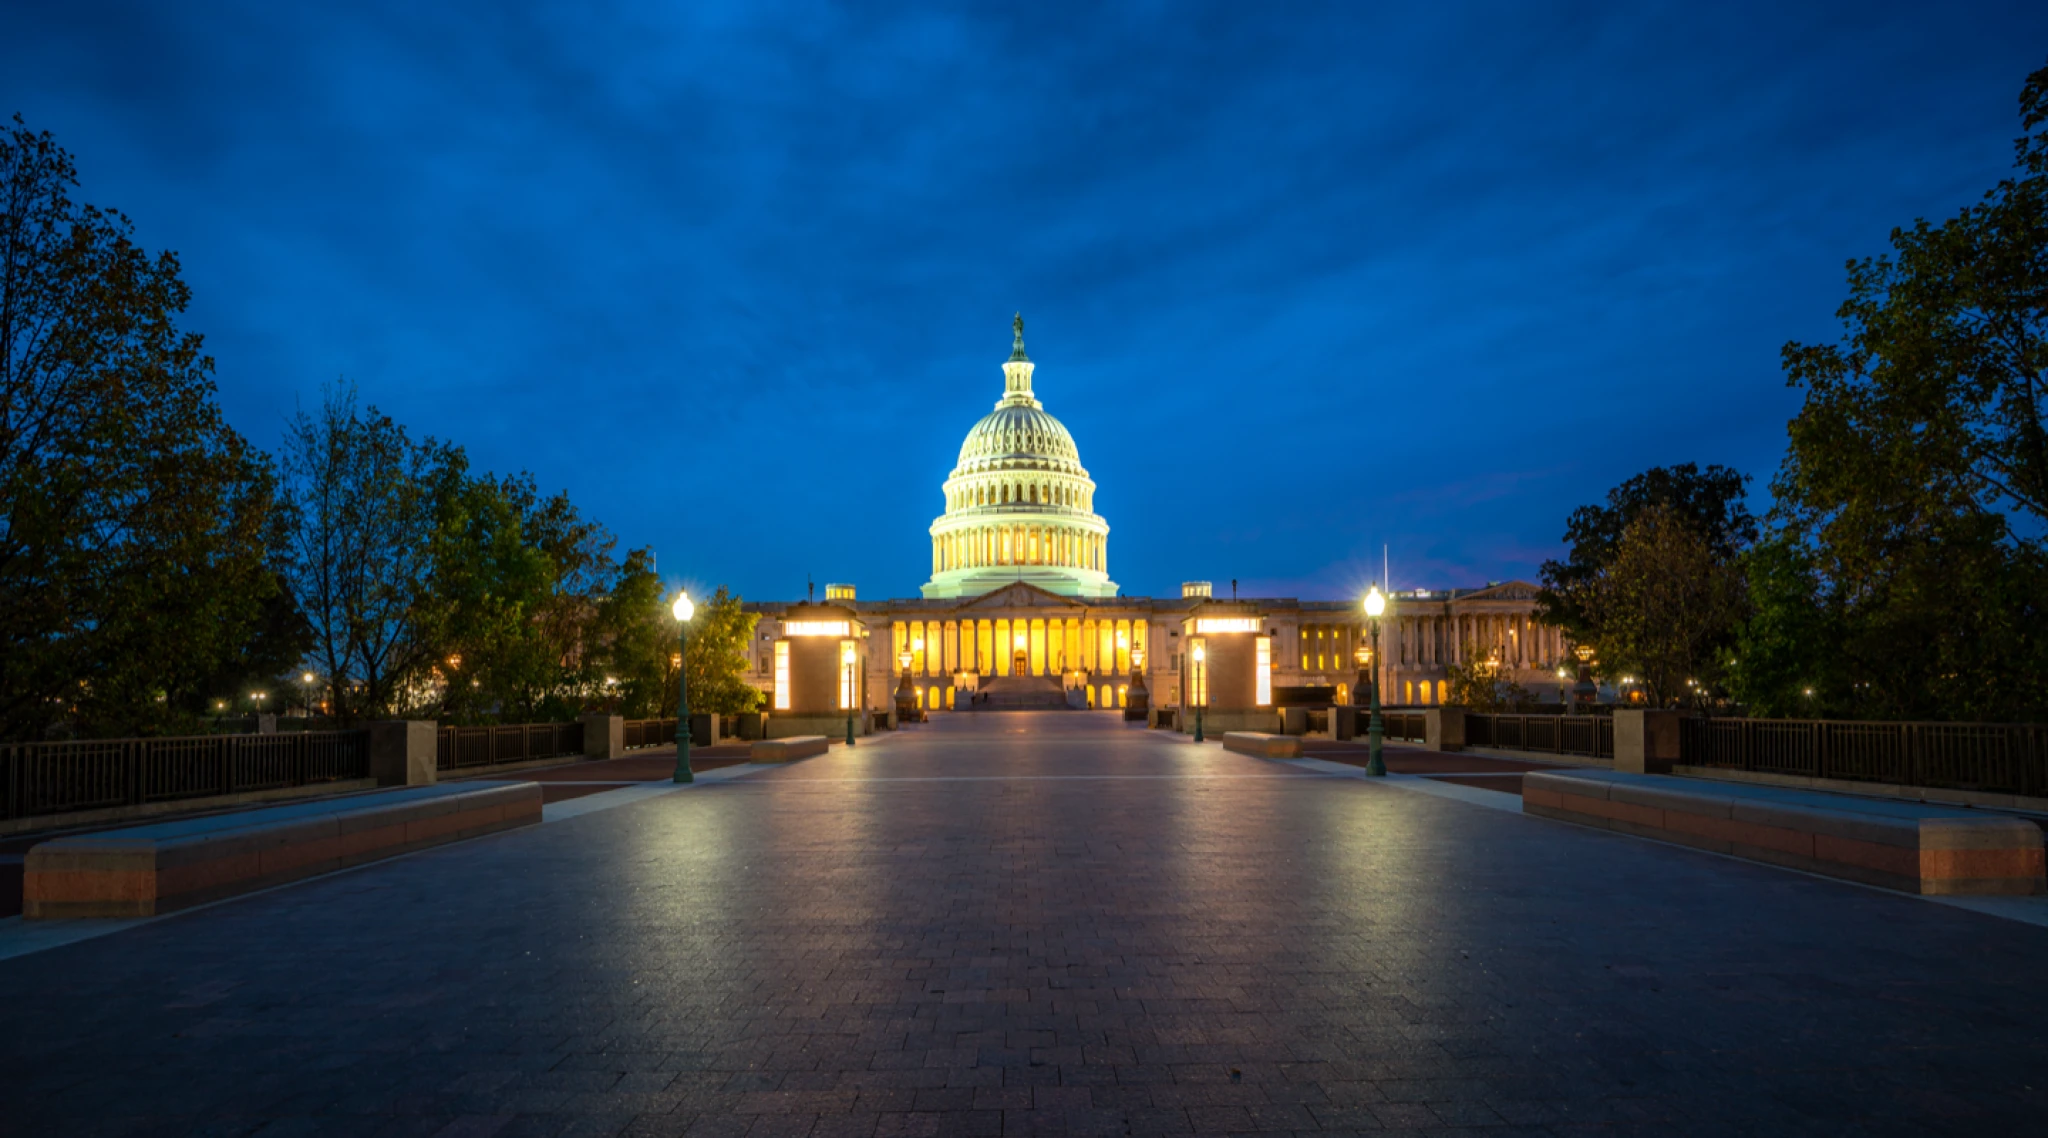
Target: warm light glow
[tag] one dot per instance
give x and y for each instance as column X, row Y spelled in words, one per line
column 1584, row 652
column 1200, row 654
column 683, row 608
column 846, row 676
column 1262, row 673
column 1123, row 638
column 817, row 628
column 903, row 661
column 1209, row 624
column 308, row 677
column 846, row 654
column 1375, row 602
column 455, row 661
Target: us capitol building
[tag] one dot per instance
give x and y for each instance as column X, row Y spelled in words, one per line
column 1020, row 610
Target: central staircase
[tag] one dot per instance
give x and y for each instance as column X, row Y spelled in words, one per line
column 1020, row 693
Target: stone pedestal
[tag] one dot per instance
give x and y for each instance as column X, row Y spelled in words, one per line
column 1347, row 722
column 604, row 736
column 402, row 752
column 1443, row 728
column 1645, row 742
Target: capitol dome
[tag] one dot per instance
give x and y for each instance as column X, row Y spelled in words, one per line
column 1019, row 504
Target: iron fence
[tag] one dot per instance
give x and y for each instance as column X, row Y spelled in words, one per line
column 1407, row 726
column 60, row 778
column 1996, row 757
column 458, row 747
column 1590, row 735
column 650, row 733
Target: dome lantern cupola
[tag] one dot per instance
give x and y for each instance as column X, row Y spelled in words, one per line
column 1019, row 504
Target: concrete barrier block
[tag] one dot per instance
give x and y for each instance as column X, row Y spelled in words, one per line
column 604, row 736
column 402, row 752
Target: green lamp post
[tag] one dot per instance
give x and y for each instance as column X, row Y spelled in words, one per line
column 847, row 657
column 683, row 610
column 1201, row 692
column 1375, row 606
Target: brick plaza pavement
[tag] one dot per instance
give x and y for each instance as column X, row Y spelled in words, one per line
column 1053, row 924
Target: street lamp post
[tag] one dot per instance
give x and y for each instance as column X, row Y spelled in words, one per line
column 306, row 686
column 683, row 611
column 847, row 656
column 1201, row 692
column 1375, row 606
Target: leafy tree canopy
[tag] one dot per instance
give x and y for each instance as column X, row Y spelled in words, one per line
column 1711, row 503
column 135, row 526
column 1915, row 488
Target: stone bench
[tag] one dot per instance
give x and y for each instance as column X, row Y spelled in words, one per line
column 787, row 750
column 1907, row 846
column 145, row 870
column 1263, row 745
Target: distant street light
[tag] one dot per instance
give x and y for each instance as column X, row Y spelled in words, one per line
column 847, row 657
column 1201, row 692
column 683, row 611
column 1375, row 607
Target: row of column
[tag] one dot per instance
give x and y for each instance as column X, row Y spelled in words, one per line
column 1006, row 493
column 1018, row 545
column 1521, row 639
column 1328, row 647
column 1051, row 646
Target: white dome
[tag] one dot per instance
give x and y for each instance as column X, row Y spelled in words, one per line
column 1019, row 506
column 1019, row 436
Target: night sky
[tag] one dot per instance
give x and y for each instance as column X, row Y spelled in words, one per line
column 1302, row 281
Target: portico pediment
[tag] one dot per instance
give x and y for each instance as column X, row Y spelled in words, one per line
column 1505, row 591
column 1018, row 595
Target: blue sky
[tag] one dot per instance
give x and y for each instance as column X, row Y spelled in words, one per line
column 1302, row 280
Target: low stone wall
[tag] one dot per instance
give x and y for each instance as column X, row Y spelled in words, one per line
column 1217, row 723
column 788, row 750
column 1263, row 745
column 145, row 870
column 1906, row 846
column 833, row 726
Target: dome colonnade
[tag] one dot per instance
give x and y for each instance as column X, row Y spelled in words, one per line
column 1019, row 504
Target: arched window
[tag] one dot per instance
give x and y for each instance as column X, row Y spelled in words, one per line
column 1006, row 494
column 1034, row 495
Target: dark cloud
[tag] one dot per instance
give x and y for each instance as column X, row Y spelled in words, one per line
column 739, row 276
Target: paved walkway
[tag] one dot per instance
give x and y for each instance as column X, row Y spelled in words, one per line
column 1010, row 924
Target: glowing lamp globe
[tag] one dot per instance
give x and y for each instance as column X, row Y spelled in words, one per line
column 683, row 608
column 1375, row 602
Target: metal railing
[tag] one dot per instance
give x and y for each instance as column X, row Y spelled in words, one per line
column 456, row 748
column 1996, row 757
column 60, row 778
column 1590, row 735
column 650, row 733
column 1407, row 726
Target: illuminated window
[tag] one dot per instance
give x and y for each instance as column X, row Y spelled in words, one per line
column 816, row 628
column 782, row 675
column 848, row 663
column 1210, row 624
column 1198, row 677
column 1343, row 693
column 1262, row 675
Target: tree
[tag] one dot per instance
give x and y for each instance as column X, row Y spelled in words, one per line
column 133, row 521
column 1711, row 501
column 1667, row 605
column 366, row 505
column 1474, row 682
column 721, row 636
column 1916, row 480
column 637, row 638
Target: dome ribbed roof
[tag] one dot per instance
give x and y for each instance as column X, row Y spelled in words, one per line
column 1018, row 433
